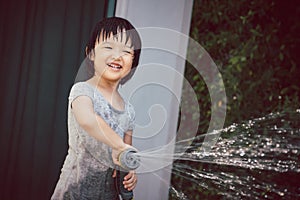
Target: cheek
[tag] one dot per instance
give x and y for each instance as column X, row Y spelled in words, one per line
column 129, row 62
column 100, row 57
column 99, row 64
column 128, row 67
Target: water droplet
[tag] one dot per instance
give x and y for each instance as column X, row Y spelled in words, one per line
column 281, row 194
column 295, row 151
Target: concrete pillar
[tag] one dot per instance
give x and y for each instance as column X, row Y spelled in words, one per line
column 155, row 89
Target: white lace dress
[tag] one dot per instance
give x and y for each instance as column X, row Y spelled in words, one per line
column 87, row 170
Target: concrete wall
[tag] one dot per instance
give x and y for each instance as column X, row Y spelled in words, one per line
column 155, row 89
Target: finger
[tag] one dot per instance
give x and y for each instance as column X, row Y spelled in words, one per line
column 131, row 186
column 129, row 179
column 114, row 173
column 129, row 175
column 131, row 182
column 116, row 161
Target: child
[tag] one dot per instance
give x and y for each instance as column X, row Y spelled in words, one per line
column 100, row 122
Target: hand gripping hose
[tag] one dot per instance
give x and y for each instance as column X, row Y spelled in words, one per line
column 129, row 161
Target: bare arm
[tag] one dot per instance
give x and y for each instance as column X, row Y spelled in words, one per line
column 128, row 137
column 94, row 125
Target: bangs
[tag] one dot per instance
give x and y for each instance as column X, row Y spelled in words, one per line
column 118, row 27
column 119, row 34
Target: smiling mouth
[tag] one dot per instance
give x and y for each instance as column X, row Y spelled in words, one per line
column 114, row 66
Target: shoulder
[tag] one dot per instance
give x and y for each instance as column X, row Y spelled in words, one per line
column 80, row 86
column 81, row 89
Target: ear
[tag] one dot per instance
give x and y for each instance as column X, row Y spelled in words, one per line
column 90, row 55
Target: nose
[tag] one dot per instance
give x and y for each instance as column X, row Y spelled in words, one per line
column 116, row 54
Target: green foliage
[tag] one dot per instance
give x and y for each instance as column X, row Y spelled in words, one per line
column 254, row 45
column 255, row 52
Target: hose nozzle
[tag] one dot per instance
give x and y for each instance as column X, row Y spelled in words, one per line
column 129, row 160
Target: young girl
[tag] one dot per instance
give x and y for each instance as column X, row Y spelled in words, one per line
column 100, row 122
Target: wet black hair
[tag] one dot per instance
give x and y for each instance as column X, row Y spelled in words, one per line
column 116, row 25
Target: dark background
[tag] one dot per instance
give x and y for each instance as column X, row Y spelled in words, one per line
column 42, row 46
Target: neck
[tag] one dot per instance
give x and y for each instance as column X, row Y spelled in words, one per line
column 109, row 86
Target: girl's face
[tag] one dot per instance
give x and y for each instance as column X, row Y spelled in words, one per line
column 112, row 58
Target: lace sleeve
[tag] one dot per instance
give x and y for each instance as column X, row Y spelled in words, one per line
column 131, row 113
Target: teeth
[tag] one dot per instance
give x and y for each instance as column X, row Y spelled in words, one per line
column 115, row 66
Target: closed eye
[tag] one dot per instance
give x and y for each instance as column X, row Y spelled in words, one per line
column 129, row 52
column 107, row 47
